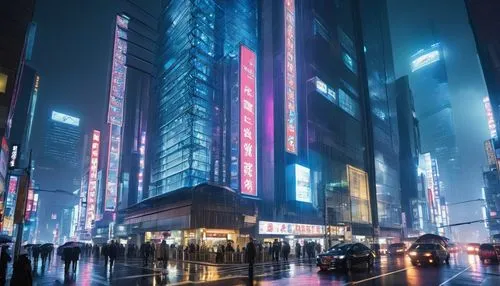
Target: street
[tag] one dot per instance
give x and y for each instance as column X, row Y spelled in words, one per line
column 463, row 270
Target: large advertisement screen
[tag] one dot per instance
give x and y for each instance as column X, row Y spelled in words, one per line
column 64, row 118
column 302, row 184
column 290, row 76
column 113, row 167
column 248, row 122
column 92, row 189
column 359, row 192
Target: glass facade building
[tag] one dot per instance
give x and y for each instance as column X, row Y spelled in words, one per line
column 198, row 39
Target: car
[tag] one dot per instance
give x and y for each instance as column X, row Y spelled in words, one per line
column 345, row 256
column 452, row 248
column 472, row 248
column 488, row 252
column 431, row 253
column 396, row 249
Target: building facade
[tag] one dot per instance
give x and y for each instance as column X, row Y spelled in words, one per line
column 429, row 84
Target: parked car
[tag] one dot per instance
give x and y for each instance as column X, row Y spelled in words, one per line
column 345, row 256
column 396, row 249
column 472, row 248
column 432, row 253
column 488, row 252
column 453, row 248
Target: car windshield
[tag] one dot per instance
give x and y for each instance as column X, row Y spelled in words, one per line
column 340, row 248
column 425, row 247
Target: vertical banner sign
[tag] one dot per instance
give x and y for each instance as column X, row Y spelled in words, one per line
column 491, row 119
column 115, row 110
column 22, row 194
column 92, row 189
column 248, row 122
column 140, row 175
column 290, row 79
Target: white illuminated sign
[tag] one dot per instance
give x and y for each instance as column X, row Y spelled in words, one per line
column 285, row 228
column 13, row 156
column 424, row 60
column 64, row 118
column 327, row 91
column 491, row 119
column 302, row 184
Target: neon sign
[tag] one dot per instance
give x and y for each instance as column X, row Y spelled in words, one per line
column 64, row 118
column 92, row 189
column 290, row 79
column 140, row 175
column 248, row 122
column 491, row 119
column 425, row 60
column 115, row 110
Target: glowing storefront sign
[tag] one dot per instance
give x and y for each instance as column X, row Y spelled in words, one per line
column 491, row 119
column 140, row 175
column 115, row 110
column 302, row 184
column 10, row 204
column 290, row 79
column 92, row 187
column 64, row 118
column 490, row 153
column 13, row 158
column 29, row 204
column 248, row 122
column 424, row 60
column 285, row 228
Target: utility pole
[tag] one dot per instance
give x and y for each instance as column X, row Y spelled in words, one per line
column 22, row 208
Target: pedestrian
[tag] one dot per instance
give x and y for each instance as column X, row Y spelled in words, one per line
column 75, row 256
column 105, row 253
column 144, row 254
column 21, row 274
column 286, row 251
column 318, row 248
column 36, row 254
column 250, row 252
column 113, row 252
column 297, row 250
column 276, row 250
column 4, row 260
column 66, row 257
column 164, row 253
column 44, row 253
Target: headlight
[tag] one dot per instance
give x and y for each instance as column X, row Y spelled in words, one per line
column 399, row 250
column 470, row 248
column 341, row 256
column 428, row 254
column 413, row 253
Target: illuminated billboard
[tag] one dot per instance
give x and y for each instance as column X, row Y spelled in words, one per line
column 140, row 175
column 290, row 77
column 357, row 180
column 425, row 60
column 302, row 184
column 248, row 122
column 490, row 153
column 64, row 118
column 92, row 181
column 115, row 110
column 285, row 228
column 325, row 90
column 491, row 119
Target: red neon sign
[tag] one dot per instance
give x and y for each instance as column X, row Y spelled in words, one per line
column 248, row 121
column 92, row 189
column 290, row 79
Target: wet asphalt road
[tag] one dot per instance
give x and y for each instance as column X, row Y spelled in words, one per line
column 463, row 270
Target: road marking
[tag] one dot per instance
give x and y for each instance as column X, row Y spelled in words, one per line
column 455, row 276
column 209, row 281
column 378, row 276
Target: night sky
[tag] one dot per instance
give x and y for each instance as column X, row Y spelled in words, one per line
column 74, row 41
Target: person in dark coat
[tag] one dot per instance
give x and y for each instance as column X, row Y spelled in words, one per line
column 44, row 253
column 145, row 249
column 297, row 250
column 250, row 253
column 4, row 260
column 286, row 250
column 75, row 256
column 105, row 253
column 113, row 252
column 22, row 274
column 276, row 250
column 36, row 254
column 66, row 257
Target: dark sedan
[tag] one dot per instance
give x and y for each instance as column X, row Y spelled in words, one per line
column 345, row 256
column 396, row 249
column 488, row 253
column 432, row 253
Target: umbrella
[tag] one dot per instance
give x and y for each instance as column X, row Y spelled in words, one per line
column 47, row 245
column 69, row 244
column 5, row 238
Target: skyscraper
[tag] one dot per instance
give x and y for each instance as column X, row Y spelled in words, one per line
column 60, row 157
column 429, row 83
